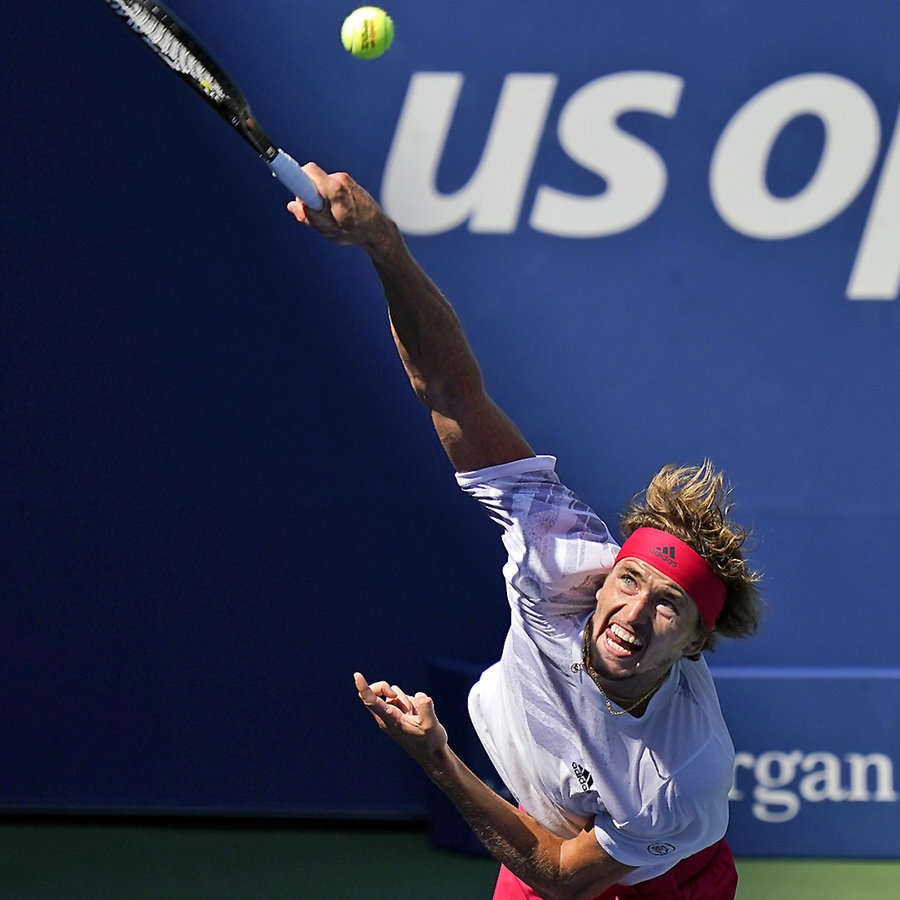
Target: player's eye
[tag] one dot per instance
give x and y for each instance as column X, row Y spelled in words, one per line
column 629, row 582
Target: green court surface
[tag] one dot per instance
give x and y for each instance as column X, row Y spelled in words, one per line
column 103, row 860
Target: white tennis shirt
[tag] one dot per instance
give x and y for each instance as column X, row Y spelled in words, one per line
column 655, row 787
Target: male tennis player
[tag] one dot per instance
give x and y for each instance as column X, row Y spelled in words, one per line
column 601, row 716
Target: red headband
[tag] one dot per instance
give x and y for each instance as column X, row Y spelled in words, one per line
column 684, row 565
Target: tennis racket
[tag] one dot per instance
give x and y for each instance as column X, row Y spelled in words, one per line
column 185, row 55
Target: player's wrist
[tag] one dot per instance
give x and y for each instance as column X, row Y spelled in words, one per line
column 383, row 240
column 440, row 764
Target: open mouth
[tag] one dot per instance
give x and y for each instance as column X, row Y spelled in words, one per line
column 621, row 641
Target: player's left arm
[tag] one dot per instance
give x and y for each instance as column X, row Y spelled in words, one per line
column 568, row 869
column 427, row 332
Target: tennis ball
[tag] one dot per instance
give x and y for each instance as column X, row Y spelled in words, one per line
column 367, row 32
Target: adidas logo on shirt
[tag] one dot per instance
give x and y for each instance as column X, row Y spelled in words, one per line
column 585, row 779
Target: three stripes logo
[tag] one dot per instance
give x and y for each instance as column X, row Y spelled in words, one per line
column 666, row 554
column 585, row 779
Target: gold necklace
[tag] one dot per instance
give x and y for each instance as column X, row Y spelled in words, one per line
column 586, row 662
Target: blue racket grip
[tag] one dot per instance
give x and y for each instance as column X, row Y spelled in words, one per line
column 286, row 169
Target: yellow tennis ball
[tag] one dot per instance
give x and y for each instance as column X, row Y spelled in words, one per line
column 367, row 32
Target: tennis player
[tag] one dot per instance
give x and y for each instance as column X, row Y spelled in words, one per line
column 601, row 716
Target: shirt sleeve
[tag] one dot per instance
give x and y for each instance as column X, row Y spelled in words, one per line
column 557, row 545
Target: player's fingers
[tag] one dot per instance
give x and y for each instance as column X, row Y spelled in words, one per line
column 375, row 697
column 298, row 209
column 316, row 173
column 403, row 701
column 374, row 690
column 382, row 689
column 425, row 710
column 326, row 185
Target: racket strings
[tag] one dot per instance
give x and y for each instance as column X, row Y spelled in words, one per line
column 172, row 48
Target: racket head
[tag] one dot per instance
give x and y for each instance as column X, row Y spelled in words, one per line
column 175, row 45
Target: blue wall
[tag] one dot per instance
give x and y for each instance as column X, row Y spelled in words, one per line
column 218, row 495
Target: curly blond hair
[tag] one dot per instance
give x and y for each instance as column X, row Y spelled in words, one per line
column 694, row 503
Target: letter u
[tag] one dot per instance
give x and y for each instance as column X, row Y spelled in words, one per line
column 492, row 198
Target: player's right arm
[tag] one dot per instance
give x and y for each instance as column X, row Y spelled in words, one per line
column 557, row 868
column 438, row 360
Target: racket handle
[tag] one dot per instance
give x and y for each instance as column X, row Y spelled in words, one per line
column 286, row 169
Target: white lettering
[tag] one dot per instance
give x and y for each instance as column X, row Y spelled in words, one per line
column 492, row 199
column 876, row 272
column 738, row 172
column 884, row 771
column 774, row 771
column 824, row 780
column 635, row 177
column 870, row 779
column 634, row 173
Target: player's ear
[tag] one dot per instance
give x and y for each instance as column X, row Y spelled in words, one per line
column 697, row 646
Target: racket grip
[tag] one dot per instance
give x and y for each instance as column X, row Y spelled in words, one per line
column 286, row 169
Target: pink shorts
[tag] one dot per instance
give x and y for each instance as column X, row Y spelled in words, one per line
column 707, row 875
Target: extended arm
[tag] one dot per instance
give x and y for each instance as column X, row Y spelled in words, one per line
column 441, row 367
column 569, row 869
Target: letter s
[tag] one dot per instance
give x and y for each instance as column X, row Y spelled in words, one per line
column 636, row 176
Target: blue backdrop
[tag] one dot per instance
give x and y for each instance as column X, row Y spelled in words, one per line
column 670, row 235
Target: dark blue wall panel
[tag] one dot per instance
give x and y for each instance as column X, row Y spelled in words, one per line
column 218, row 495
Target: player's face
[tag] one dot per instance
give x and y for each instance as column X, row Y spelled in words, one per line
column 644, row 622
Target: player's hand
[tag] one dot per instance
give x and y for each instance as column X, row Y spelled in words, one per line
column 349, row 214
column 410, row 721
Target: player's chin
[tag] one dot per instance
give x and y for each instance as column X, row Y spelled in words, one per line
column 618, row 668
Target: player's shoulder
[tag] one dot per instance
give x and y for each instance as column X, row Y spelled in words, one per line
column 696, row 726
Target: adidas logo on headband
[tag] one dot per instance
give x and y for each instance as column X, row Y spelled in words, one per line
column 666, row 554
